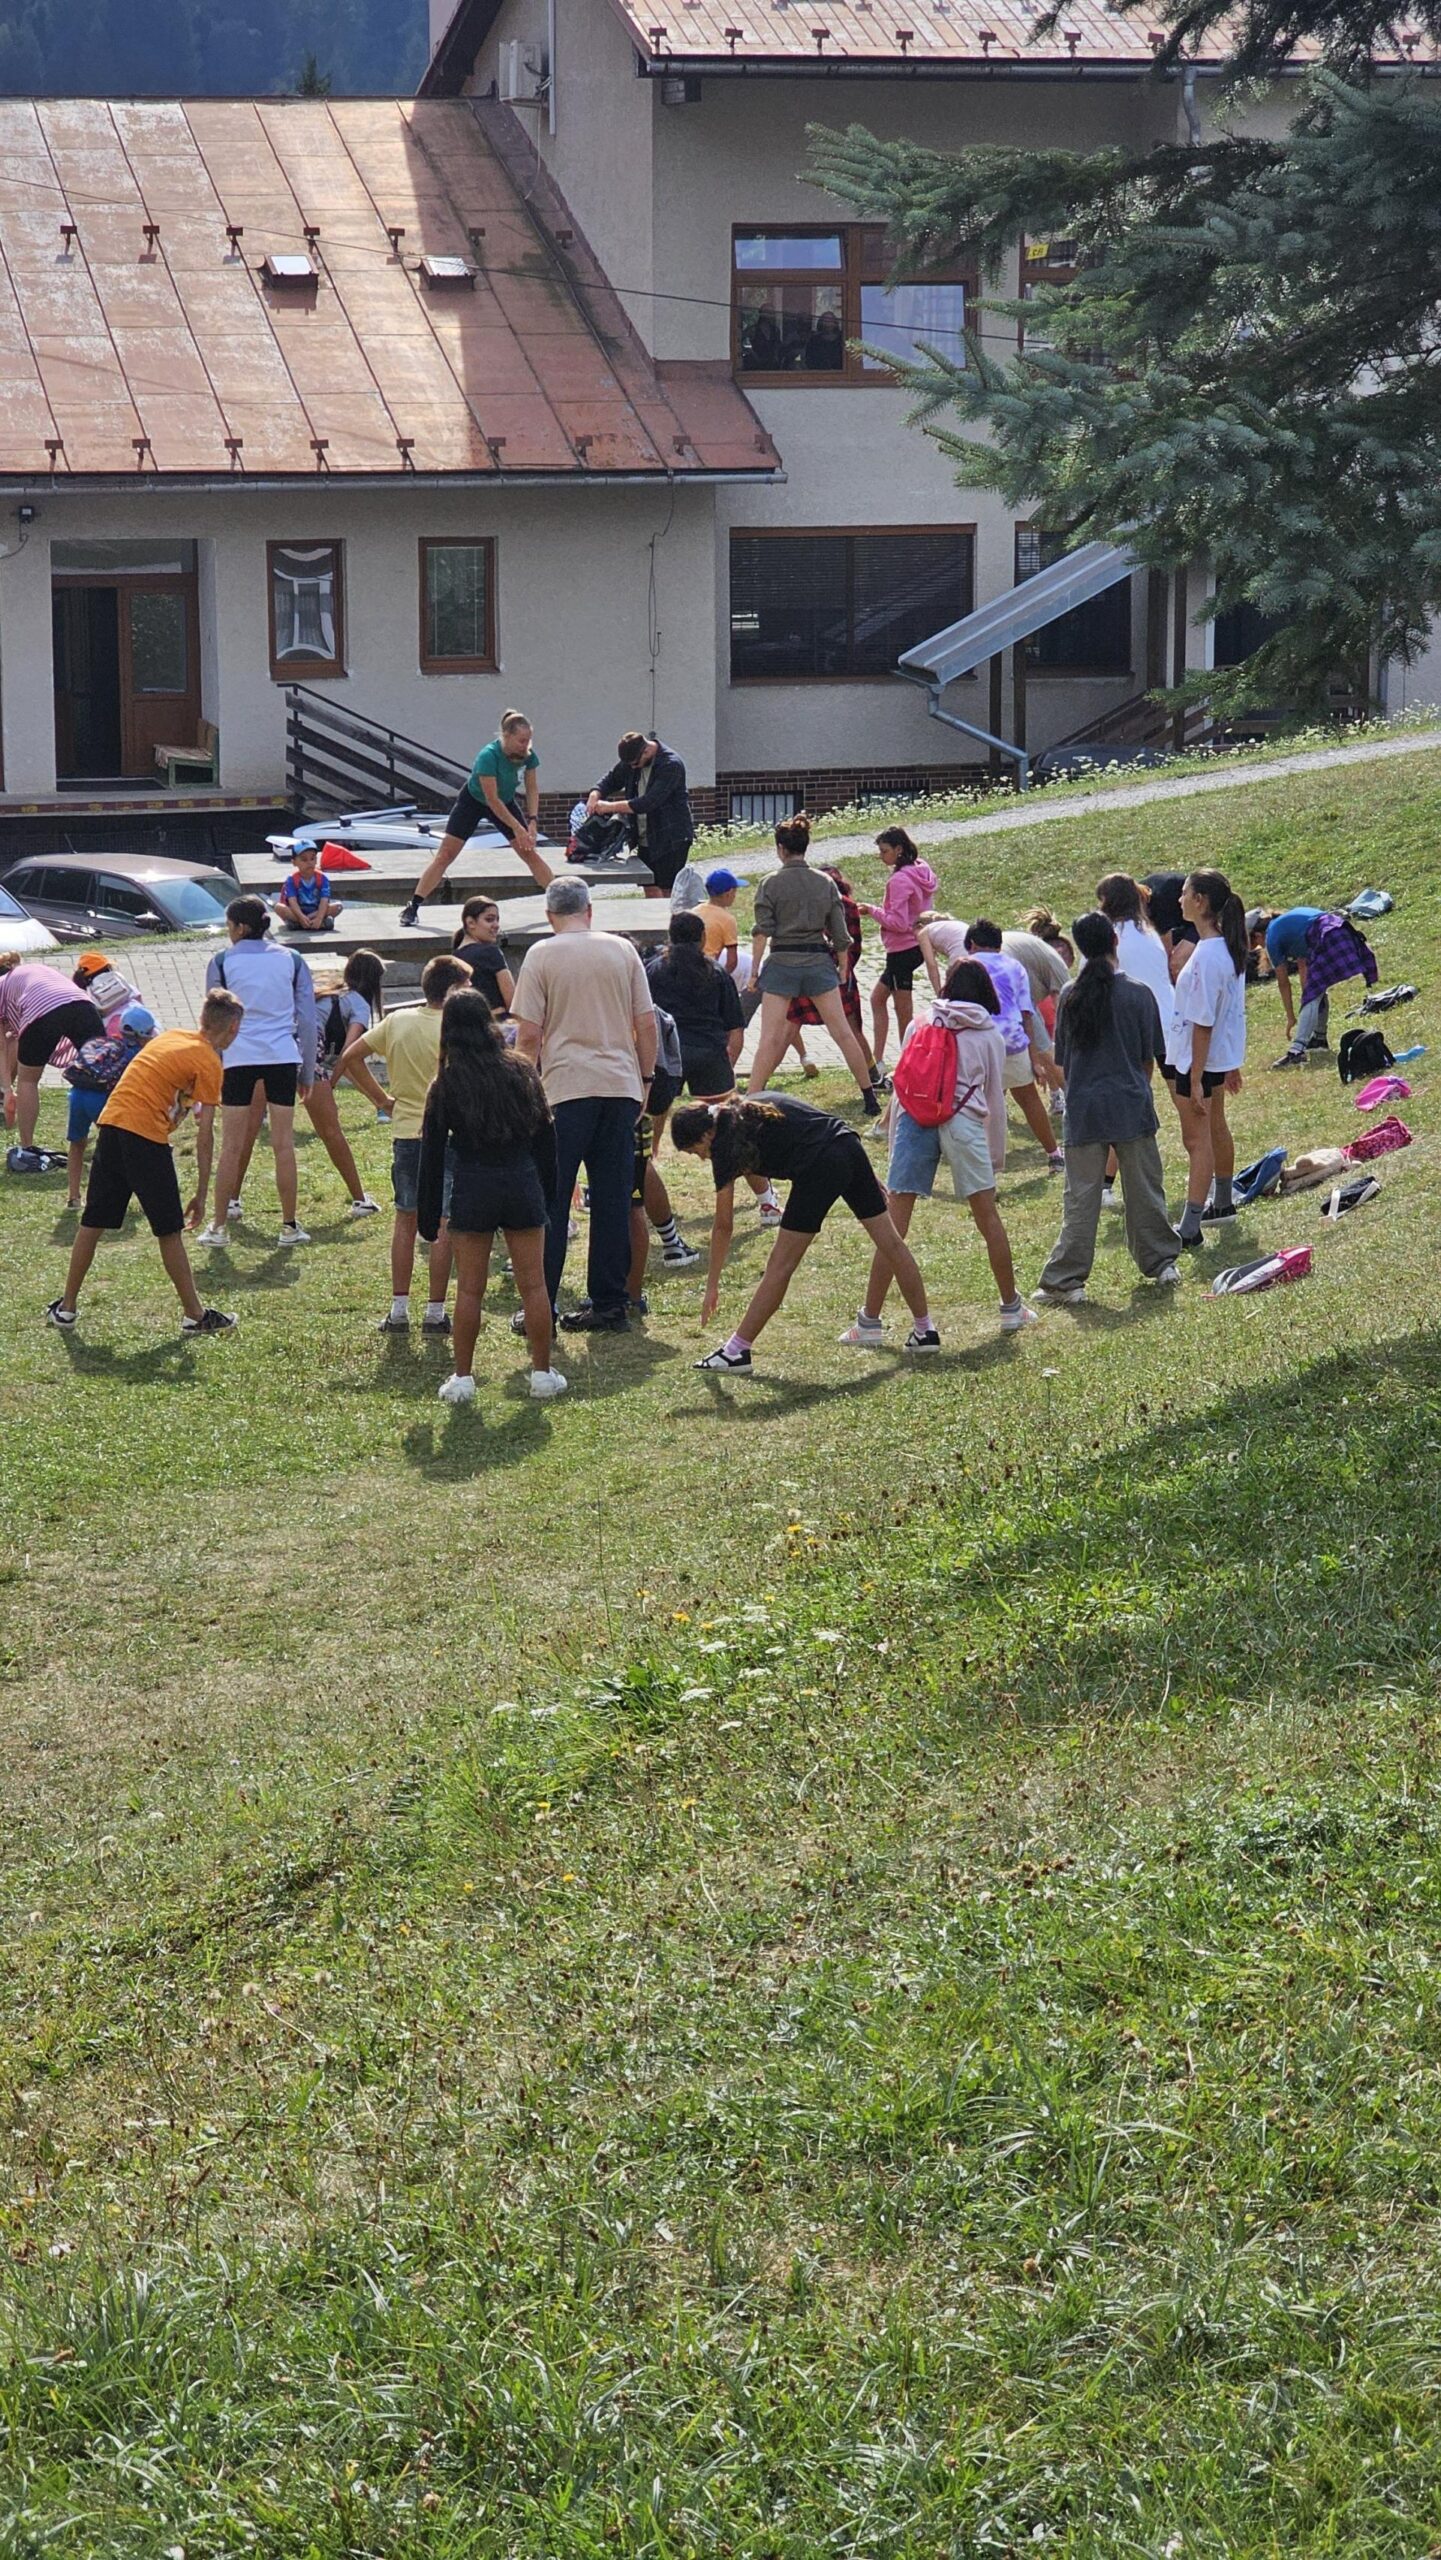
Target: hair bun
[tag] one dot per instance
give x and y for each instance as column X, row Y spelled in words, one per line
column 793, row 835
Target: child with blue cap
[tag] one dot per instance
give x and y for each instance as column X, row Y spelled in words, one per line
column 92, row 1077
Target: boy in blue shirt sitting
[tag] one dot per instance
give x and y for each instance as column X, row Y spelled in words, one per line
column 305, row 900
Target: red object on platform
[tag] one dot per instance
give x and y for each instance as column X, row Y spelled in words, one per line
column 338, row 857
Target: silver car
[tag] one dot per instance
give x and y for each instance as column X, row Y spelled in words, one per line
column 102, row 897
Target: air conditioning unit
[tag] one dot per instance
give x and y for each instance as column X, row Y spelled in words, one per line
column 523, row 73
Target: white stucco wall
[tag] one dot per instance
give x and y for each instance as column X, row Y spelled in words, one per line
column 572, row 578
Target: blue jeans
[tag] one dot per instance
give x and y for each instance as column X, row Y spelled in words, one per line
column 1311, row 1022
column 599, row 1133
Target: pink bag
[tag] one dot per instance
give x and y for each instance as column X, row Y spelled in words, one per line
column 1382, row 1089
column 1267, row 1271
column 1383, row 1140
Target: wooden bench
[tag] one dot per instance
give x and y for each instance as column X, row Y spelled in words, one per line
column 202, row 758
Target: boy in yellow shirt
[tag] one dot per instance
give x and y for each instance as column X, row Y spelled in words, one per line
column 409, row 1042
column 134, row 1158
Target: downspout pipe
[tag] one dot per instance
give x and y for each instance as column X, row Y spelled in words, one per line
column 1189, row 107
column 1004, row 746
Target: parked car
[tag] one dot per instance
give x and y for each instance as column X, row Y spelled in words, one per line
column 95, row 897
column 406, row 829
column 19, row 931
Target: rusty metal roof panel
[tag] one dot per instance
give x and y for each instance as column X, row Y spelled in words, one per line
column 138, row 331
column 933, row 34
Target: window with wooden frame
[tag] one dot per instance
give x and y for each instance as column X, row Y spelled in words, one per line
column 1045, row 262
column 800, row 297
column 307, row 609
column 1093, row 639
column 457, row 608
column 830, row 606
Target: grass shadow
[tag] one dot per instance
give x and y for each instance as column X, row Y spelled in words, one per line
column 172, row 1361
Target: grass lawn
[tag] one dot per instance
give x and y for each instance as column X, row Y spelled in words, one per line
column 845, row 1965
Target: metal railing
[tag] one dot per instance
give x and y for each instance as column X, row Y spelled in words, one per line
column 338, row 759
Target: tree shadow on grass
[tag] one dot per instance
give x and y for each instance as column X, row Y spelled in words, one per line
column 1284, row 1542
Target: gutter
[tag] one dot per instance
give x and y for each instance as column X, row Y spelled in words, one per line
column 181, row 484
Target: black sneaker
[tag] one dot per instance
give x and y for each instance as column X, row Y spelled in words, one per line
column 1211, row 1216
column 595, row 1320
column 871, row 1103
column 210, row 1320
column 922, row 1338
column 737, row 1362
column 410, row 912
column 58, row 1313
column 1293, row 1058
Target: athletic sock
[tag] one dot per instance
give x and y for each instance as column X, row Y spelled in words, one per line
column 1190, row 1221
column 736, row 1345
column 400, row 1309
column 1221, row 1191
column 668, row 1232
column 434, row 1310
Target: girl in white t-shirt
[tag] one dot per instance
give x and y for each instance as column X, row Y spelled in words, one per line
column 1206, row 1046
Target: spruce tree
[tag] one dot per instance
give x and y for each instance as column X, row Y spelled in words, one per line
column 1246, row 369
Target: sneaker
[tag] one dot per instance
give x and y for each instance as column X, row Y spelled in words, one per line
column 364, row 1207
column 214, row 1236
column 680, row 1257
column 639, row 1306
column 868, row 1333
column 1110, row 1196
column 1193, row 1244
column 25, row 1160
column 737, row 1362
column 871, row 1103
column 1168, row 1277
column 439, row 1325
column 809, row 1069
column 236, row 1209
column 588, row 1319
column 517, row 1322
column 1015, row 1319
column 209, row 1320
column 58, row 1313
column 771, row 1213
column 383, row 1117
column 1045, row 1297
column 1292, row 1058
column 1320, row 1045
column 1055, row 1161
column 390, row 1322
column 410, row 913
column 922, row 1338
column 880, row 1081
column 546, row 1383
column 1211, row 1216
column 290, row 1233
column 456, row 1391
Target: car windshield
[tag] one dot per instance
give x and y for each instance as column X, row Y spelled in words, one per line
column 10, row 906
column 201, row 901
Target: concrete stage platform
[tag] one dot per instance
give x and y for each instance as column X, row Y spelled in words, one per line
column 481, row 871
column 642, row 921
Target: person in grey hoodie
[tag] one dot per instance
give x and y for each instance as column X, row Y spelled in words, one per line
column 1109, row 1043
column 972, row 1143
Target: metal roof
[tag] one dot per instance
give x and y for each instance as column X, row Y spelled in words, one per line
column 141, row 334
column 1013, row 616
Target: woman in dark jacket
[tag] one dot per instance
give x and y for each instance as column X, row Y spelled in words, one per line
column 704, row 1006
column 488, row 1139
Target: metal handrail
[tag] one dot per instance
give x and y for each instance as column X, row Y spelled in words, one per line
column 318, row 733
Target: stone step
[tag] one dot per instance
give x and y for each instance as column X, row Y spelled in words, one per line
column 480, row 871
column 642, row 921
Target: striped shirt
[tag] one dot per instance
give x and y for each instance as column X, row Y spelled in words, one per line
column 30, row 991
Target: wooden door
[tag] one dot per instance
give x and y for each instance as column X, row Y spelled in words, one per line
column 159, row 669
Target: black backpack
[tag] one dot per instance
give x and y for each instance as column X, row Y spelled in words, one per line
column 1362, row 1054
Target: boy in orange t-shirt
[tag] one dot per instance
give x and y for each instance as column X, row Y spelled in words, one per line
column 133, row 1158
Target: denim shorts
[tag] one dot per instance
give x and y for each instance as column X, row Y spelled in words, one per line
column 807, row 974
column 405, row 1177
column 917, row 1155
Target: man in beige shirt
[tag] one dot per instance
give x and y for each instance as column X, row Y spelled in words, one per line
column 583, row 1006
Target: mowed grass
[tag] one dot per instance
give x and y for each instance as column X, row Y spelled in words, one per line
column 846, row 1965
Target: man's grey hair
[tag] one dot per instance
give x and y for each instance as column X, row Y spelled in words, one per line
column 567, row 897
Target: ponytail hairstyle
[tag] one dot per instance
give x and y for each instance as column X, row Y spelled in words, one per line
column 512, row 720
column 1225, row 910
column 364, row 975
column 1090, row 1000
column 896, row 841
column 1124, row 900
column 969, row 983
column 9, row 960
column 793, row 835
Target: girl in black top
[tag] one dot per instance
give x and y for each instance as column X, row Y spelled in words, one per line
column 488, row 1128
column 478, row 945
column 824, row 1162
column 703, row 1004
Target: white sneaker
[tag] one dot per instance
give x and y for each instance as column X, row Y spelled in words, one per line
column 1015, row 1319
column 457, row 1391
column 1169, row 1278
column 1059, row 1297
column 868, row 1333
column 771, row 1213
column 214, row 1236
column 1110, row 1196
column 364, row 1207
column 545, row 1383
column 236, row 1209
column 290, row 1233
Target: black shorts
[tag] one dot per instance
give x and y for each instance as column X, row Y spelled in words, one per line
column 237, row 1086
column 900, row 969
column 665, row 867
column 485, row 1197
column 127, row 1168
column 844, row 1172
column 1180, row 1082
column 708, row 1072
column 469, row 815
column 76, row 1022
column 662, row 1094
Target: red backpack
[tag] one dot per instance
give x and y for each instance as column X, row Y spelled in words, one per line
column 925, row 1077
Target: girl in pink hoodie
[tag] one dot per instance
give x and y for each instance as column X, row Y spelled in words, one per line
column 971, row 1143
column 909, row 891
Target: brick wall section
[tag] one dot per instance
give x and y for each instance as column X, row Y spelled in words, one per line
column 815, row 789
